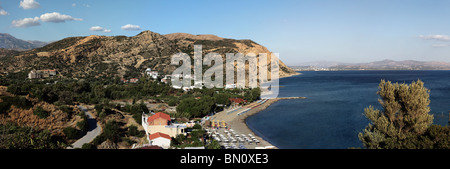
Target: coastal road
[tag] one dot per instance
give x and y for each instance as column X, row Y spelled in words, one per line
column 94, row 130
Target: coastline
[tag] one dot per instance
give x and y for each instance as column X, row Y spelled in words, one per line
column 238, row 122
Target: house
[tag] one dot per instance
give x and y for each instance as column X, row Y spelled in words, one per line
column 230, row 86
column 52, row 72
column 124, row 80
column 134, row 80
column 153, row 74
column 38, row 74
column 237, row 101
column 161, row 122
column 159, row 119
column 160, row 139
column 34, row 75
column 166, row 79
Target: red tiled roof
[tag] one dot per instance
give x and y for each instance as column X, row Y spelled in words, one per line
column 158, row 115
column 237, row 100
column 158, row 134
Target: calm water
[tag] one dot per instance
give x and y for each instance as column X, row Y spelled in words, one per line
column 332, row 115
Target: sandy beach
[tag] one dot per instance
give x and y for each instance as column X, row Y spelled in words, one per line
column 237, row 122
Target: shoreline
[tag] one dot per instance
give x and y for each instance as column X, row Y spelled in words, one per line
column 239, row 123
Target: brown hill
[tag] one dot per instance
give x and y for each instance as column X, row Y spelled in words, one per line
column 177, row 36
column 119, row 56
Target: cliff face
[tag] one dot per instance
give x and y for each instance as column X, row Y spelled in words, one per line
column 103, row 56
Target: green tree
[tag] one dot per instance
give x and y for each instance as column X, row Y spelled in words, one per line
column 222, row 98
column 111, row 131
column 83, row 125
column 88, row 146
column 402, row 121
column 133, row 131
column 196, row 107
column 71, row 133
column 214, row 145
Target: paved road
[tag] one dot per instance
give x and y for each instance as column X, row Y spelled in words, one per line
column 94, row 130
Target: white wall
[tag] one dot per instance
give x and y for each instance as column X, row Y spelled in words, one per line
column 161, row 141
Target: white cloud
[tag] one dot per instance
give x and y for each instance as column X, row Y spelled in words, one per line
column 130, row 27
column 56, row 17
column 26, row 22
column 29, row 4
column 435, row 37
column 440, row 45
column 99, row 29
column 3, row 12
column 74, row 5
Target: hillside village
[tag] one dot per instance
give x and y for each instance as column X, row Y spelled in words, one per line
column 123, row 82
column 134, row 123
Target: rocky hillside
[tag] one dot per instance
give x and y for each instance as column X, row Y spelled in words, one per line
column 119, row 56
column 8, row 41
column 21, row 112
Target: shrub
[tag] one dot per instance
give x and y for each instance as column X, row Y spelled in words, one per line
column 111, row 131
column 83, row 125
column 71, row 133
column 88, row 146
column 133, row 131
column 41, row 113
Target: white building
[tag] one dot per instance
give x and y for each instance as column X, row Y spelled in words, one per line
column 160, row 139
column 153, row 74
column 160, row 122
column 166, row 79
column 230, row 86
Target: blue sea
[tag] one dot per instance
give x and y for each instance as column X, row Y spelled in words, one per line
column 332, row 115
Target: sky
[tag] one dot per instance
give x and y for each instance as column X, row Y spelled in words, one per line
column 350, row 31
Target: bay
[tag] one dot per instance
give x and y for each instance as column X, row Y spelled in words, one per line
column 332, row 115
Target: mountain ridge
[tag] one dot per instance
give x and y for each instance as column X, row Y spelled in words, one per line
column 386, row 64
column 8, row 41
column 121, row 56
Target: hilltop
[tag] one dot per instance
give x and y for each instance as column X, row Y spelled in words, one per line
column 120, row 56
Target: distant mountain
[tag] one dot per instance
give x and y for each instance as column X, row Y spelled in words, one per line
column 319, row 64
column 121, row 56
column 386, row 65
column 8, row 41
column 397, row 65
